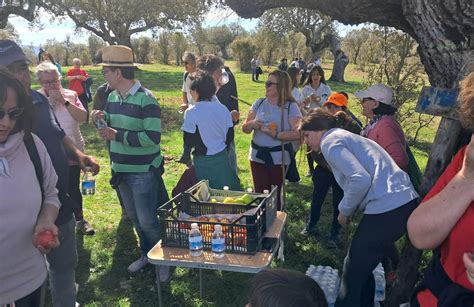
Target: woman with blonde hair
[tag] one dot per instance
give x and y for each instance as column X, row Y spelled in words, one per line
column 273, row 121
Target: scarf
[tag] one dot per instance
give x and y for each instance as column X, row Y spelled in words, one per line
column 8, row 152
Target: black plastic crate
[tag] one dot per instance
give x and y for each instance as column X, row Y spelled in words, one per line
column 243, row 235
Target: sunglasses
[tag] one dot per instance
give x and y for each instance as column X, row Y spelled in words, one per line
column 366, row 99
column 269, row 84
column 13, row 114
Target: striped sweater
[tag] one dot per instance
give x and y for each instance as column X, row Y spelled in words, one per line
column 137, row 119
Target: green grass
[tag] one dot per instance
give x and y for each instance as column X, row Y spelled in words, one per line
column 104, row 257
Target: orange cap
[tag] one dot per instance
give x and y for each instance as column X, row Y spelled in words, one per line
column 337, row 99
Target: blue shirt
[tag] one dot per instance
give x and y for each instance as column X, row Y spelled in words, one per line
column 47, row 128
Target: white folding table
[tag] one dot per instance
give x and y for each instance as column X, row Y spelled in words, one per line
column 244, row 263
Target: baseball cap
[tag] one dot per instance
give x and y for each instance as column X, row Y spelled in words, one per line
column 10, row 52
column 379, row 92
column 337, row 99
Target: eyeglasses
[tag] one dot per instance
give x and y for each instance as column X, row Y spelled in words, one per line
column 269, row 84
column 13, row 114
column 49, row 82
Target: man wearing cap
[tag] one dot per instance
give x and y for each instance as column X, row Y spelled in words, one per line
column 62, row 260
column 133, row 119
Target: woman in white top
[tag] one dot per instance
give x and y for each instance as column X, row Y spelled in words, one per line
column 315, row 92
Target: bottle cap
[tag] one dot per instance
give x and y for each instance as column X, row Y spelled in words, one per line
column 226, row 188
column 218, row 227
column 266, row 191
column 194, row 225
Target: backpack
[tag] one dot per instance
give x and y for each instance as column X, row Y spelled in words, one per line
column 34, row 156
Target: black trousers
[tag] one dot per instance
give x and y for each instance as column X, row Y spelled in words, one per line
column 375, row 235
column 31, row 300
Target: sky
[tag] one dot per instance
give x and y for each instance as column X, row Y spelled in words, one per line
column 59, row 30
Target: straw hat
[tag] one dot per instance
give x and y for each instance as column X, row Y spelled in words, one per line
column 117, row 56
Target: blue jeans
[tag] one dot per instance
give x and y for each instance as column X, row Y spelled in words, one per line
column 62, row 262
column 140, row 200
column 323, row 179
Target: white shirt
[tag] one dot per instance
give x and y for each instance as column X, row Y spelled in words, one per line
column 213, row 120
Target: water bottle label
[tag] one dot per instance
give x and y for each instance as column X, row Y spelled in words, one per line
column 195, row 243
column 88, row 187
column 88, row 184
column 218, row 245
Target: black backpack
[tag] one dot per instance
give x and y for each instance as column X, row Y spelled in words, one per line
column 34, row 156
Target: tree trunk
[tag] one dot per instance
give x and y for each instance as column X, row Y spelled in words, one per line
column 340, row 63
column 340, row 60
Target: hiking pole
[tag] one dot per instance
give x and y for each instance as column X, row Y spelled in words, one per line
column 241, row 100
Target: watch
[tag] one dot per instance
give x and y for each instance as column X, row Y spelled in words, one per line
column 66, row 103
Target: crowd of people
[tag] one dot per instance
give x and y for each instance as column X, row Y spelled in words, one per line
column 42, row 149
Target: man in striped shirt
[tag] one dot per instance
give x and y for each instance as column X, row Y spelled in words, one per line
column 133, row 128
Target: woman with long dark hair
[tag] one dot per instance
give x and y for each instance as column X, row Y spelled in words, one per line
column 315, row 92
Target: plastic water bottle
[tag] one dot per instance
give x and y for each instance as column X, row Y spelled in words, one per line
column 328, row 279
column 195, row 241
column 379, row 276
column 100, row 123
column 226, row 188
column 249, row 190
column 218, row 242
column 88, row 182
column 266, row 191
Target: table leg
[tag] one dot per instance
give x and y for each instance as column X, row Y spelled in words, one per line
column 158, row 284
column 200, row 284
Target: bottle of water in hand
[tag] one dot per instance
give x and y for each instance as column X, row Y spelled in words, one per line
column 88, row 182
column 195, row 241
column 218, row 242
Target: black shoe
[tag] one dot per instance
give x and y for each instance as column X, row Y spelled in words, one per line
column 309, row 231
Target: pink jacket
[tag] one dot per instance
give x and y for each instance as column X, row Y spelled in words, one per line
column 388, row 134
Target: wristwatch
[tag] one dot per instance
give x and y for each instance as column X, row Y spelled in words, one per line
column 66, row 103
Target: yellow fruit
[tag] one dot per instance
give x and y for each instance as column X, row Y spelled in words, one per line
column 229, row 200
column 240, row 201
column 213, row 200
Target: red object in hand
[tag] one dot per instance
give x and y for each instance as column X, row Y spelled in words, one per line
column 46, row 239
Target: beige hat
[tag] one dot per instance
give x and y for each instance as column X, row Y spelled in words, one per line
column 118, row 56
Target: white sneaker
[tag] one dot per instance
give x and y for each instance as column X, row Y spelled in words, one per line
column 137, row 265
column 164, row 273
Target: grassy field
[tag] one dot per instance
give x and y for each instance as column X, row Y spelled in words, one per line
column 103, row 258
